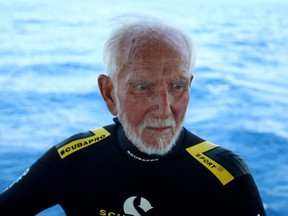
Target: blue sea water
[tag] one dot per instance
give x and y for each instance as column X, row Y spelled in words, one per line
column 51, row 56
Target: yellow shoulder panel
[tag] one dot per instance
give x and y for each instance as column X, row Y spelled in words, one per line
column 78, row 144
column 198, row 152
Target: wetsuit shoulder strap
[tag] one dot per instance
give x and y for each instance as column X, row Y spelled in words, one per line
column 221, row 162
column 80, row 141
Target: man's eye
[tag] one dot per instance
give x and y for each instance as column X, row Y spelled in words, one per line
column 142, row 86
column 178, row 85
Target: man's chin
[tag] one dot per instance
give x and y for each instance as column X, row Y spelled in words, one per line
column 155, row 148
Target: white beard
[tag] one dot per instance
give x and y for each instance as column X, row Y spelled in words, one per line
column 164, row 143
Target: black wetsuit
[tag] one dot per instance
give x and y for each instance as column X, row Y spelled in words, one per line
column 101, row 173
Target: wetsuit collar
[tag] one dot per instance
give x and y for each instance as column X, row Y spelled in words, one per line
column 132, row 151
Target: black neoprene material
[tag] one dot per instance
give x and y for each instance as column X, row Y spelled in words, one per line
column 111, row 177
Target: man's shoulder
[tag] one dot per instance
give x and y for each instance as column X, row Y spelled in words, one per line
column 79, row 145
column 223, row 163
column 81, row 141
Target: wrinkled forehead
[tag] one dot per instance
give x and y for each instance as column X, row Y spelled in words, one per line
column 155, row 69
column 156, row 51
column 157, row 45
column 146, row 53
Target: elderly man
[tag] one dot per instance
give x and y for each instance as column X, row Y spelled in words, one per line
column 146, row 163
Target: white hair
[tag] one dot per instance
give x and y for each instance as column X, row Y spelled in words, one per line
column 135, row 30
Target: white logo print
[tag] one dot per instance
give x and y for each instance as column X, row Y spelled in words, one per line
column 136, row 206
column 25, row 173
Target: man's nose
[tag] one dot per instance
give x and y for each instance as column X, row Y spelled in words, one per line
column 161, row 104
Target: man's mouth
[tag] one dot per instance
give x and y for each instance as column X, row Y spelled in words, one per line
column 160, row 130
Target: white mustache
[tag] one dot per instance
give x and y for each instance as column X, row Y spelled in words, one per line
column 155, row 122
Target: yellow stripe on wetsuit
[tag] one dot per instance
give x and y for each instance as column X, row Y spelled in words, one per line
column 76, row 145
column 197, row 151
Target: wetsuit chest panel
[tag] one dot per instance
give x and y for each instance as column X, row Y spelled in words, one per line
column 111, row 182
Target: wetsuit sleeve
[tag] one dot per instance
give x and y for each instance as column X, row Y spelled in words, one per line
column 237, row 193
column 242, row 198
column 241, row 194
column 33, row 192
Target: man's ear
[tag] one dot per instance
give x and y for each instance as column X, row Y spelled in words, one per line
column 107, row 91
column 191, row 79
